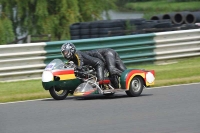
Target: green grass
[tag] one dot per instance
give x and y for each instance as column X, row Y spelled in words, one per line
column 160, row 7
column 182, row 72
column 22, row 90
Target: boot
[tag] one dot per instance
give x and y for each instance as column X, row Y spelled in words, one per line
column 114, row 81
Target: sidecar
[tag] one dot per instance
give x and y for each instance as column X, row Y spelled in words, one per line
column 61, row 80
column 132, row 81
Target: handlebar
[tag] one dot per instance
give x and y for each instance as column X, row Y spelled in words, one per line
column 86, row 72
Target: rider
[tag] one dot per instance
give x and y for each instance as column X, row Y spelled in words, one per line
column 80, row 58
column 113, row 62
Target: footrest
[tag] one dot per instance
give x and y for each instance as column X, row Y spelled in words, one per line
column 108, row 91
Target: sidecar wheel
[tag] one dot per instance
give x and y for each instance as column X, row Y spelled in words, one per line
column 58, row 94
column 136, row 87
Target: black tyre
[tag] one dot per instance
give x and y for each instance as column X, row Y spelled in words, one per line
column 94, row 36
column 75, row 26
column 118, row 34
column 110, row 31
column 163, row 25
column 111, row 23
column 94, row 31
column 84, row 31
column 137, row 21
column 136, row 87
column 100, row 36
column 147, row 25
column 58, row 94
column 75, row 37
column 94, row 25
column 74, row 32
column 85, row 36
column 85, row 25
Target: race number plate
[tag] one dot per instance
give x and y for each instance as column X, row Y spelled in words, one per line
column 50, row 66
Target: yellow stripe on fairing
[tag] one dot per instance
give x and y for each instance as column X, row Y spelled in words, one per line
column 148, row 84
column 141, row 74
column 67, row 76
column 78, row 94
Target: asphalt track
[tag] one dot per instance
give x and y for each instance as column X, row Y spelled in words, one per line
column 174, row 109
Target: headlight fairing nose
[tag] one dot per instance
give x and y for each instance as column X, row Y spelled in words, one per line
column 150, row 77
column 47, row 76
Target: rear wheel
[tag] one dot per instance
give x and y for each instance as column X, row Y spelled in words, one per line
column 136, row 87
column 58, row 94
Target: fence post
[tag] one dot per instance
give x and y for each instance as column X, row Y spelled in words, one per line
column 28, row 39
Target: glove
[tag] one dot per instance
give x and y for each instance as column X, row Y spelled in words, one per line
column 69, row 64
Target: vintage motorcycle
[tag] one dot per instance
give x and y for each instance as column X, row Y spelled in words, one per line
column 63, row 78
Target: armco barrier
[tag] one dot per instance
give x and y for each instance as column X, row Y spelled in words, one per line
column 177, row 44
column 27, row 61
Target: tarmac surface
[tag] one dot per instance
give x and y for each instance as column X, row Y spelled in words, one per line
column 174, row 109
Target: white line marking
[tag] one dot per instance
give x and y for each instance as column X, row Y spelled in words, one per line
column 145, row 88
column 26, row 101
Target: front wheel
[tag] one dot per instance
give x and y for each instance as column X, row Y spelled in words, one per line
column 136, row 87
column 58, row 94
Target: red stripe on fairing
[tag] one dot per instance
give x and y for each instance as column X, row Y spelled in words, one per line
column 63, row 72
column 88, row 92
column 131, row 73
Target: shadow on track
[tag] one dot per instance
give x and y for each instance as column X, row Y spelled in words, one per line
column 102, row 97
column 99, row 97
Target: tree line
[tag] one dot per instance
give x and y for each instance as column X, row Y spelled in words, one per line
column 42, row 17
column 39, row 17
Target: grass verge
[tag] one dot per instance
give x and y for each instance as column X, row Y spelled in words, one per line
column 22, row 90
column 182, row 72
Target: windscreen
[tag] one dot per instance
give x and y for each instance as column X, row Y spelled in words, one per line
column 55, row 64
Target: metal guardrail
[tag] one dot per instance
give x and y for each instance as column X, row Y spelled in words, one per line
column 126, row 46
column 177, row 44
column 27, row 61
column 21, row 61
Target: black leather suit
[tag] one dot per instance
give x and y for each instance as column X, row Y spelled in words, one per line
column 111, row 58
column 82, row 58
